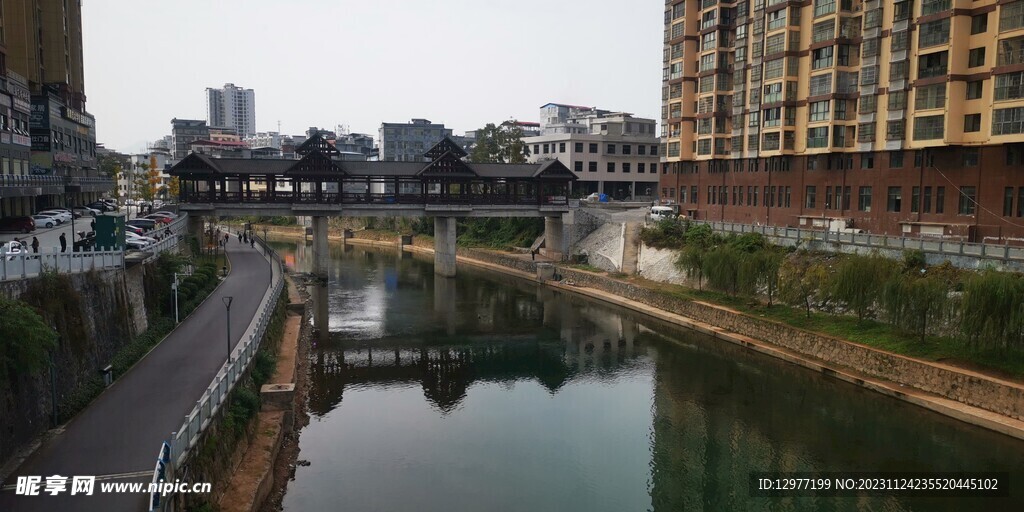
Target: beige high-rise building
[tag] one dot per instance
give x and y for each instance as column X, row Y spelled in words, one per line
column 900, row 117
column 44, row 43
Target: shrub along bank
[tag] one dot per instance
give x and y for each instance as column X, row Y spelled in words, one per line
column 935, row 312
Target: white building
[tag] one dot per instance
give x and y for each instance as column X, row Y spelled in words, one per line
column 612, row 153
column 264, row 140
column 232, row 107
column 158, row 158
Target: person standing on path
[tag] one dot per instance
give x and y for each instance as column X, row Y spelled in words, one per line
column 63, row 243
column 35, row 245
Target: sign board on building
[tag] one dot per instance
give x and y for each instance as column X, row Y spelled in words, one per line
column 22, row 140
column 73, row 115
column 22, row 105
column 40, row 142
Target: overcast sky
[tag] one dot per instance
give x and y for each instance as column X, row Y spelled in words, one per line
column 359, row 63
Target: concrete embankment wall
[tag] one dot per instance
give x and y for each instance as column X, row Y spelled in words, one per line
column 99, row 312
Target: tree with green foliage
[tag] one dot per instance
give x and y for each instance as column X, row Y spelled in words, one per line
column 802, row 280
column 722, row 268
column 992, row 309
column 914, row 299
column 859, row 280
column 25, row 340
column 699, row 240
column 501, row 144
column 767, row 262
column 666, row 234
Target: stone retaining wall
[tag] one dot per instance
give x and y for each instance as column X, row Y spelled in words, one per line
column 977, row 390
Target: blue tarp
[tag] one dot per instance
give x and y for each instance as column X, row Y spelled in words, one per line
column 603, row 198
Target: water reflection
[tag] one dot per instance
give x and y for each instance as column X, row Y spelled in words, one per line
column 484, row 392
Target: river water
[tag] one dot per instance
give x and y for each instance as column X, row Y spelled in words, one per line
column 488, row 393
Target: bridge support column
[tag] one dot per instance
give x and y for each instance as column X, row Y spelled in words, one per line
column 321, row 254
column 444, row 246
column 195, row 227
column 554, row 237
column 321, row 316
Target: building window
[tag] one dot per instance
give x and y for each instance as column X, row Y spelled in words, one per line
column 561, row 147
column 828, row 198
column 654, row 150
column 931, row 127
column 1011, row 16
column 819, row 110
column 933, row 33
column 611, row 149
column 1009, row 86
column 625, row 167
column 970, row 157
column 867, row 161
column 976, row 57
column 979, row 23
column 577, row 147
column 1008, row 202
column 1007, row 121
column 593, row 148
column 810, row 196
column 932, row 64
column 895, row 200
column 895, row 130
column 821, row 85
column 930, row 96
column 817, row 137
column 693, row 194
column 627, row 149
column 927, row 203
column 940, row 199
column 1020, row 202
column 972, row 123
column 915, row 199
column 823, row 31
column 641, row 150
column 545, row 149
column 895, row 159
column 591, row 166
column 577, row 166
column 974, row 89
column 611, row 166
column 967, row 200
column 864, row 199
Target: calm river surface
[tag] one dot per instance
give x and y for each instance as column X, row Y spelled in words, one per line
column 486, row 393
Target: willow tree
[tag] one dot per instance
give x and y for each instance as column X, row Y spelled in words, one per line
column 914, row 300
column 992, row 308
column 692, row 259
column 802, row 280
column 859, row 280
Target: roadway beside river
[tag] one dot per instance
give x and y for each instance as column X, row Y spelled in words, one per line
column 117, row 436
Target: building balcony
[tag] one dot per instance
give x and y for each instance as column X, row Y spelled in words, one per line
column 89, row 184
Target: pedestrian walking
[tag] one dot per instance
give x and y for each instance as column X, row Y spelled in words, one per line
column 239, row 237
column 92, row 225
column 35, row 245
column 533, row 255
column 227, row 236
column 252, row 242
column 63, row 243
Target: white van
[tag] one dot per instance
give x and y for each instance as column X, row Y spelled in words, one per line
column 659, row 213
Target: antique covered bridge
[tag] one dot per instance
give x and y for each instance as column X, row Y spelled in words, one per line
column 319, row 185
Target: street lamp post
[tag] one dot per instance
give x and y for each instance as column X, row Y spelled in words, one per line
column 227, row 305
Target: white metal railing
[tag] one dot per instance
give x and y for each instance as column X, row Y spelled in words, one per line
column 934, row 245
column 177, row 227
column 187, row 435
column 25, row 265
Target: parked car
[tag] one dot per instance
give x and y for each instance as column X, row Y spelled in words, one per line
column 129, row 235
column 100, row 205
column 133, row 229
column 46, row 221
column 160, row 219
column 147, row 224
column 12, row 249
column 134, row 245
column 85, row 210
column 62, row 216
column 659, row 213
column 64, row 210
column 166, row 213
column 22, row 224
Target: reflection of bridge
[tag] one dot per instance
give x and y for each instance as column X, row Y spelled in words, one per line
column 319, row 186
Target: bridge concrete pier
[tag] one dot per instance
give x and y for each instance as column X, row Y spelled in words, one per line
column 554, row 237
column 195, row 227
column 444, row 246
column 321, row 253
column 321, row 312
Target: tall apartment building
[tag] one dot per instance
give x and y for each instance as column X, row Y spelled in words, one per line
column 899, row 117
column 232, row 107
column 47, row 139
column 407, row 142
column 183, row 133
column 611, row 153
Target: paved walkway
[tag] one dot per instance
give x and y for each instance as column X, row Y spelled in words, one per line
column 122, row 430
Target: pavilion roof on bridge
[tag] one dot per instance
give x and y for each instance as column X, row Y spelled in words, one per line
column 317, row 143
